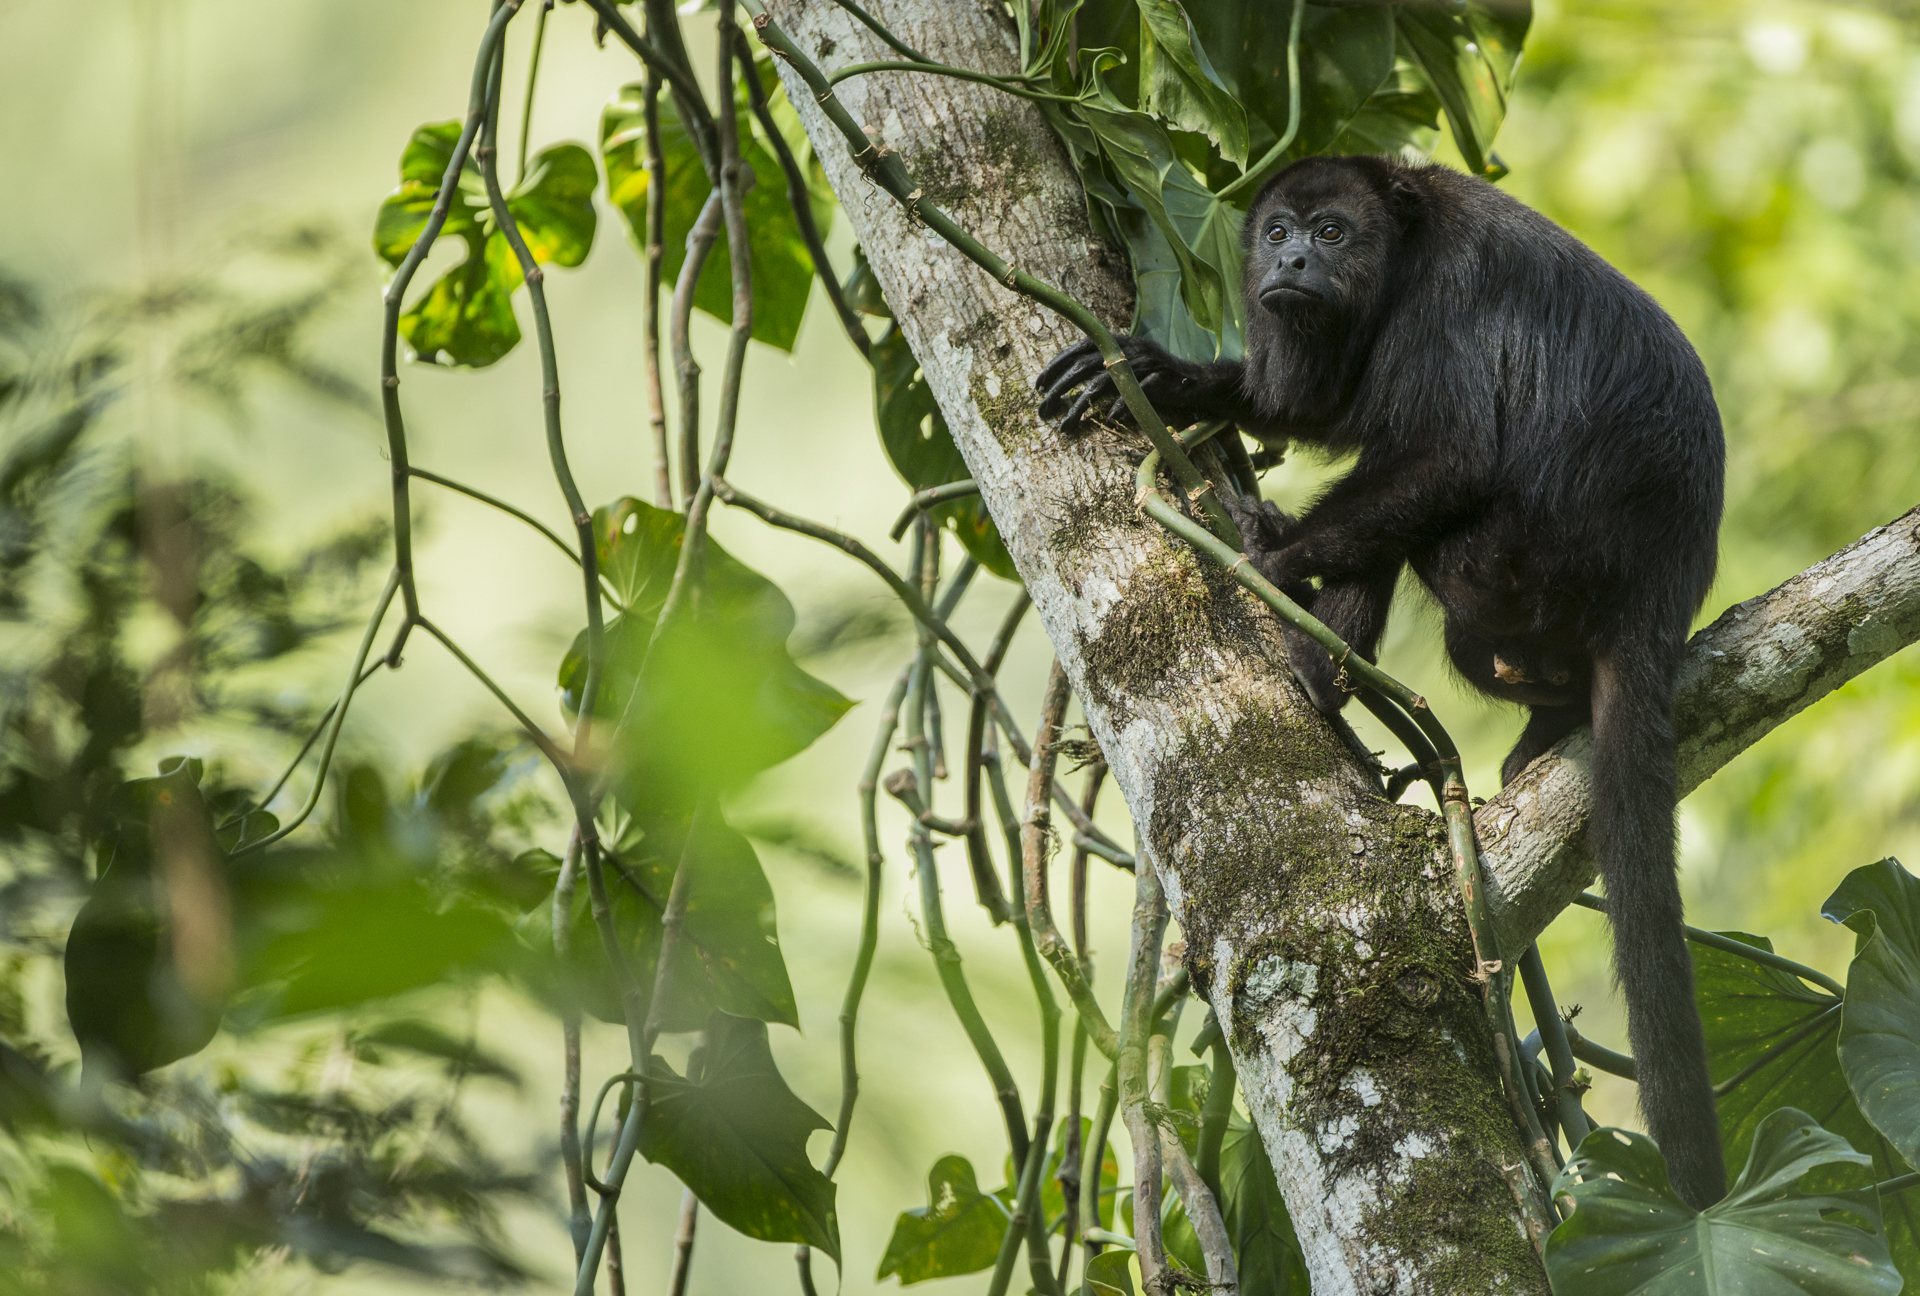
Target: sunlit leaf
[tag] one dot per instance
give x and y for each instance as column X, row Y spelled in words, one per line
column 721, row 698
column 1785, row 1227
column 958, row 1231
column 465, row 318
column 1180, row 83
column 1401, row 116
column 734, row 1133
column 1470, row 56
column 781, row 265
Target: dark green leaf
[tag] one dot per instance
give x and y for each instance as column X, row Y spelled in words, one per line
column 721, row 699
column 1780, row 1034
column 1469, row 56
column 737, row 1136
column 1880, row 1025
column 144, row 989
column 1774, row 1232
column 729, row 954
column 466, row 317
column 1257, row 1222
column 1345, row 55
column 958, row 1231
column 1111, row 1274
column 782, row 268
column 1402, row 115
column 921, row 449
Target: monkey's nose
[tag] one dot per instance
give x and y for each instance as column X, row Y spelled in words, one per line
column 1299, row 263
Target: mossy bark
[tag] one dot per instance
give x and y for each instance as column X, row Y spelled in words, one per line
column 1320, row 921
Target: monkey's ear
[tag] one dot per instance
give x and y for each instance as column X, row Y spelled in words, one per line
column 1404, row 200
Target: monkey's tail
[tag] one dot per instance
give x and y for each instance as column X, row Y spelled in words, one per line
column 1634, row 791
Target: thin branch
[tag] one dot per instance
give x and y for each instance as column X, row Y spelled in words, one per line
column 800, row 198
column 1598, row 1056
column 1741, row 950
column 979, row 859
column 683, row 1243
column 1553, row 1037
column 1259, row 170
column 494, row 501
column 928, row 498
column 650, row 303
column 395, row 295
column 671, row 63
column 686, row 370
column 579, row 1218
column 1136, row 1025
column 355, row 675
column 1038, row 827
column 313, row 736
column 533, row 79
column 561, row 763
column 959, row 74
column 868, row 21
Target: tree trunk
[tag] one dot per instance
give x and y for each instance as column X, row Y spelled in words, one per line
column 1321, row 922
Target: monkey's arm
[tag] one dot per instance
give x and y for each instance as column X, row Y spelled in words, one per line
column 1367, row 521
column 1182, row 391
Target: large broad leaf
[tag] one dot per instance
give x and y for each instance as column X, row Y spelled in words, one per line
column 1181, row 85
column 1880, row 1025
column 1258, row 1226
column 782, row 268
column 1345, row 55
column 1470, row 56
column 466, row 317
column 1786, row 1227
column 921, row 449
column 1401, row 116
column 721, row 699
column 729, row 955
column 1111, row 1274
column 1202, row 232
column 958, row 1231
column 737, row 1136
column 144, row 989
column 1777, row 1034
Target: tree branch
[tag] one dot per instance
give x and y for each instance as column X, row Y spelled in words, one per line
column 1760, row 664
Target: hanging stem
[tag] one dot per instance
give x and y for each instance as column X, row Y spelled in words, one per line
column 1136, row 1025
column 533, row 78
column 656, row 254
column 1033, row 845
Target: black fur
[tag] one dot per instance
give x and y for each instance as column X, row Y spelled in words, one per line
column 1538, row 441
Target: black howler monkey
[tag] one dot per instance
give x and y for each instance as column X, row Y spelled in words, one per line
column 1537, row 439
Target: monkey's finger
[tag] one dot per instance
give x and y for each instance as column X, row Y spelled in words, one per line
column 1087, row 370
column 1070, row 358
column 1071, row 424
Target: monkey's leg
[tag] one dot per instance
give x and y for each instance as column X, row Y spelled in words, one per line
column 1356, row 610
column 1374, row 516
column 1546, row 726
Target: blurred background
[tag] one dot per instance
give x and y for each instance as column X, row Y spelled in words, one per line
column 1753, row 165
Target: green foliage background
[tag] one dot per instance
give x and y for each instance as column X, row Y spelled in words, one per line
column 1753, row 165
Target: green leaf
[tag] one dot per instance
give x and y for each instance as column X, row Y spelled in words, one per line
column 1111, row 1274
column 729, row 955
column 1786, row 1226
column 737, row 1136
column 1257, row 1222
column 1181, row 85
column 1202, row 232
column 782, row 269
column 722, row 698
column 1780, row 1033
column 1345, row 55
column 466, row 318
column 141, row 990
column 921, row 449
column 1401, row 116
column 1470, row 57
column 958, row 1231
column 1880, row 1025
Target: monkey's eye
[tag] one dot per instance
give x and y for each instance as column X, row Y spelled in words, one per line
column 1276, row 234
column 1330, row 233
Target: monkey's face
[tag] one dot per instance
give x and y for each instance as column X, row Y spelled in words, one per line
column 1316, row 250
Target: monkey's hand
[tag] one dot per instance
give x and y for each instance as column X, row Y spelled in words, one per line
column 1170, row 383
column 1263, row 531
